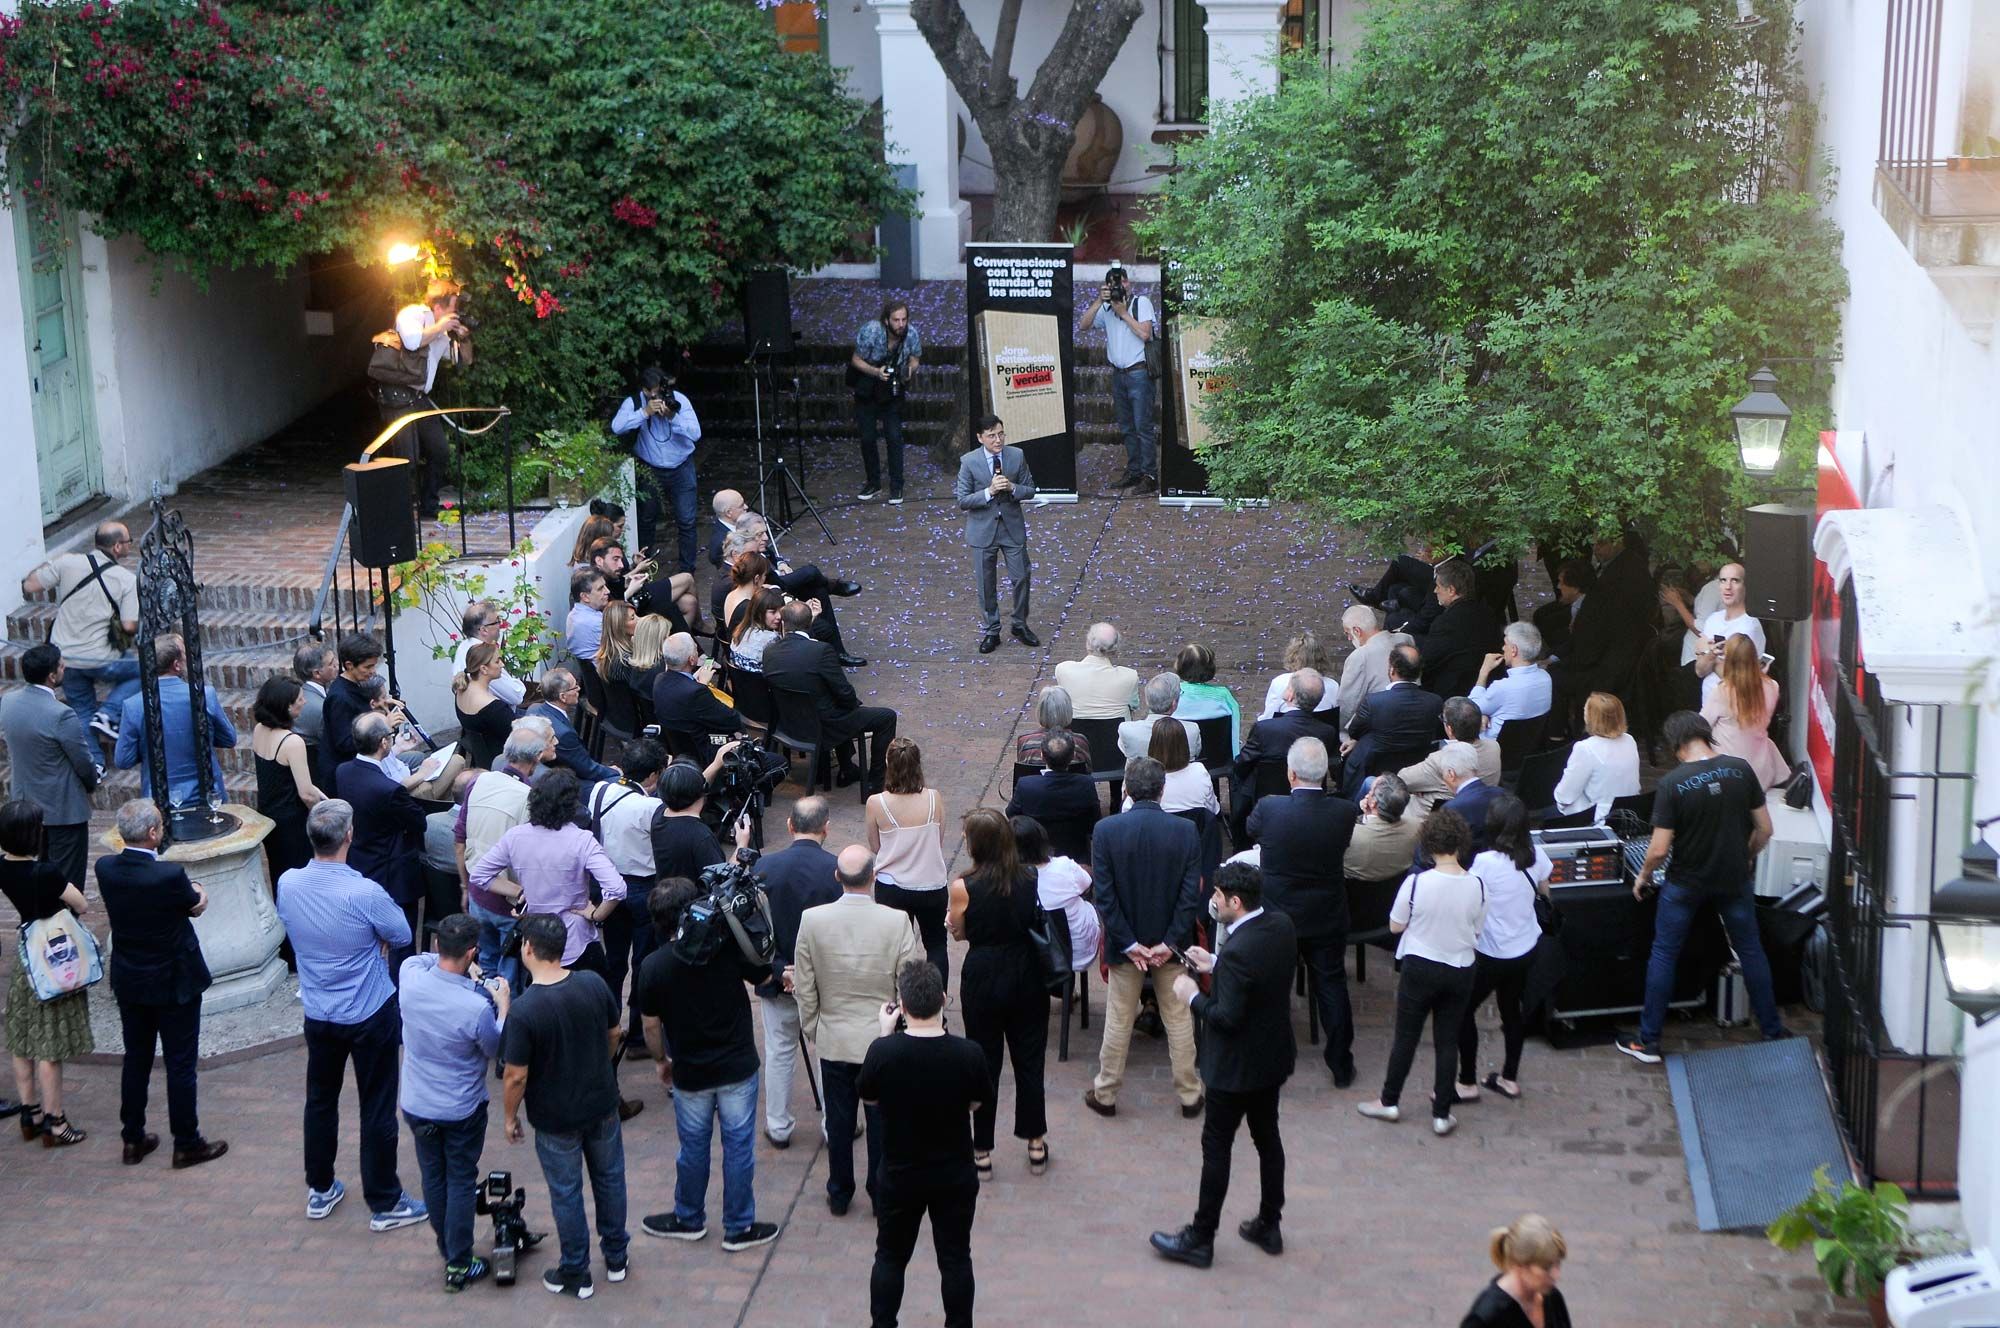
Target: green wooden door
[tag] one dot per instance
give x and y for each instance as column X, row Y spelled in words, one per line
column 58, row 376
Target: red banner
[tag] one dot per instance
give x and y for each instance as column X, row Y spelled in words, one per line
column 1835, row 495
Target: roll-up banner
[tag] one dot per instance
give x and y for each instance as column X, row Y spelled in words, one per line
column 1192, row 370
column 1021, row 352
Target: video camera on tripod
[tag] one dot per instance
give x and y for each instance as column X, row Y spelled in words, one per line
column 499, row 1199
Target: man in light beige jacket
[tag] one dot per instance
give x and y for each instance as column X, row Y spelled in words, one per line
column 1462, row 720
column 843, row 973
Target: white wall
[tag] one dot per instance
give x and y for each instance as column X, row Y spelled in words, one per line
column 21, row 500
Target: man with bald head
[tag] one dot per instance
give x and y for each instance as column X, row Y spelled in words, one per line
column 1366, row 668
column 843, row 972
column 1099, row 686
column 97, row 613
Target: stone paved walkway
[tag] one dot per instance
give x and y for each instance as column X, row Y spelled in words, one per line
column 1385, row 1225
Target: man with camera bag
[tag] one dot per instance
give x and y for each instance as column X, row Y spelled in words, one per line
column 404, row 367
column 451, row 1034
column 1126, row 319
column 884, row 363
column 659, row 423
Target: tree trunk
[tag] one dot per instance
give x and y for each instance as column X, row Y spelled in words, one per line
column 1027, row 188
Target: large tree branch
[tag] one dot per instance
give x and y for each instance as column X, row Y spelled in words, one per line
column 983, row 86
column 1003, row 38
column 1090, row 41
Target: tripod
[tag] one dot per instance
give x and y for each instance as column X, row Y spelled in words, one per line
column 778, row 474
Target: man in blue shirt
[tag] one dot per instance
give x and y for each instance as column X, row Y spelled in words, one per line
column 339, row 920
column 1525, row 691
column 176, row 724
column 1126, row 319
column 659, row 422
column 451, row 1034
column 884, row 362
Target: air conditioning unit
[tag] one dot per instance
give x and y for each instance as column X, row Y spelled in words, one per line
column 1796, row 855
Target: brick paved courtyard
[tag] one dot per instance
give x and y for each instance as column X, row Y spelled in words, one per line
column 1385, row 1225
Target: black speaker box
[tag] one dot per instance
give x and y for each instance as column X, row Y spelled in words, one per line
column 767, row 310
column 1777, row 561
column 385, row 519
column 1607, row 937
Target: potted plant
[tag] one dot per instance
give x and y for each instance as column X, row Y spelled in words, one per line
column 575, row 464
column 1857, row 1235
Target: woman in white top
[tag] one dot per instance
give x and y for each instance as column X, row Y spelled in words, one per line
column 1602, row 767
column 906, row 832
column 1060, row 883
column 1303, row 651
column 1512, row 870
column 1438, row 913
column 1189, row 785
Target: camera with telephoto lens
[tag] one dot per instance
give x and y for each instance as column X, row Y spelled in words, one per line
column 1115, row 288
column 499, row 1199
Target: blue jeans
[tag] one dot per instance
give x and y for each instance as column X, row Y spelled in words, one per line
column 694, row 1113
column 1132, row 394
column 1679, row 905
column 495, row 930
column 80, row 681
column 674, row 486
column 601, row 1148
column 448, row 1156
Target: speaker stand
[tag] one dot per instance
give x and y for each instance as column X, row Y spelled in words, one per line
column 777, row 475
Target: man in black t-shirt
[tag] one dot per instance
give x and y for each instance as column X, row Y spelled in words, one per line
column 1709, row 812
column 557, row 1048
column 697, row 1022
column 926, row 1084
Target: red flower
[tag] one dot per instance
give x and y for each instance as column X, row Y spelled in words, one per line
column 634, row 213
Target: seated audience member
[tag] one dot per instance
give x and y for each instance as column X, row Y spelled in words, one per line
column 646, row 591
column 1602, row 767
column 1099, row 687
column 683, row 700
column 1189, row 785
column 1063, row 795
column 1270, row 739
column 1366, row 669
column 1163, row 697
column 588, row 594
column 614, row 669
column 804, row 583
column 1555, row 620
column 177, row 725
column 1465, row 631
column 1524, row 691
column 1425, row 779
column 1738, row 706
column 1602, row 645
column 649, row 640
column 798, row 665
column 1386, row 835
column 561, row 695
column 1732, row 619
column 1395, row 723
column 1405, row 591
column 1061, row 883
column 597, row 526
column 1471, row 797
column 755, row 629
column 1202, row 697
column 1303, row 651
column 1055, row 713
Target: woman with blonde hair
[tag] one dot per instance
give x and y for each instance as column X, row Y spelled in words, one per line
column 1738, row 703
column 1529, row 1254
column 483, row 718
column 614, row 668
column 1604, row 766
column 1303, row 651
column 649, row 641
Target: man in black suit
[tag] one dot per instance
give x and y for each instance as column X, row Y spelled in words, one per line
column 1393, row 727
column 346, row 702
column 1471, row 796
column 796, row 878
column 1269, row 740
column 1465, row 633
column 1146, row 867
column 1556, row 620
column 1247, row 1053
column 1062, row 799
column 682, row 702
column 1301, row 841
column 798, row 666
column 388, row 822
column 1602, row 641
column 752, row 535
column 561, row 695
column 158, row 975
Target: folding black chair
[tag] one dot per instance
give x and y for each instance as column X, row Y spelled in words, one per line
column 1519, row 738
column 1076, row 992
column 1107, row 762
column 1535, row 783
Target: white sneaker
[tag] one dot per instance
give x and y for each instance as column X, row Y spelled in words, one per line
column 895, row 500
column 1376, row 1111
column 1443, row 1125
column 868, row 495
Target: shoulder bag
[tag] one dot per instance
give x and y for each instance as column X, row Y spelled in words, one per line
column 59, row 955
column 390, row 364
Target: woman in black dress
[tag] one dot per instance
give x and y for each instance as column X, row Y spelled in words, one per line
column 1529, row 1255
column 993, row 908
column 484, row 720
column 40, row 1034
column 285, row 786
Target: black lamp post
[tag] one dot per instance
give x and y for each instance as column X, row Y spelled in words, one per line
column 1965, row 926
column 1761, row 419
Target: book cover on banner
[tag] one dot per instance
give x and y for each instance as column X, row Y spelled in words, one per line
column 1023, row 358
column 1199, row 369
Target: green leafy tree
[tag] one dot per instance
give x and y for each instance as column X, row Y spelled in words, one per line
column 1505, row 272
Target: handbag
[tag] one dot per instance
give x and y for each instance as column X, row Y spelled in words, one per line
column 59, row 955
column 389, row 363
column 1051, row 955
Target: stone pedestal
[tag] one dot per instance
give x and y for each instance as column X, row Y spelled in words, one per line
column 239, row 931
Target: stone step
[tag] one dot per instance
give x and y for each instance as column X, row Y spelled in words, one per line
column 220, row 630
column 267, row 590
column 234, row 670
column 119, row 787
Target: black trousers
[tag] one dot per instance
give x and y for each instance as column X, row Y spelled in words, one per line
column 177, row 1028
column 1439, row 992
column 886, row 418
column 1505, row 980
column 1325, row 958
column 68, row 850
column 878, row 722
column 899, row 1214
column 424, row 444
column 842, row 1081
column 928, row 908
column 628, row 939
column 1020, row 1028
column 372, row 1045
column 1227, row 1110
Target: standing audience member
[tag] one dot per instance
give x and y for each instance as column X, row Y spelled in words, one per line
column 1248, row 1051
column 387, row 821
column 1738, row 705
column 844, row 971
column 1529, row 1254
column 346, row 701
column 797, row 877
column 1202, row 697
column 1731, row 619
column 623, row 816
column 697, row 1022
column 1385, row 838
column 994, row 906
column 1463, row 722
column 43, row 1034
column 1366, row 668
column 339, row 922
column 285, row 787
column 555, row 861
column 1512, row 872
column 97, row 614
column 50, row 761
column 158, row 975
column 177, row 729
column 1303, row 651
column 1604, row 766
column 1146, row 867
column 1097, row 685
column 557, row 1049
column 1437, row 913
column 1163, row 697
column 1523, row 692
column 451, row 1037
column 1056, row 714
column 905, row 824
column 314, row 667
column 925, row 1083
column 495, row 803
column 1060, row 884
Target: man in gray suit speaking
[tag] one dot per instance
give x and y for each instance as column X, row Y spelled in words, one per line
column 993, row 482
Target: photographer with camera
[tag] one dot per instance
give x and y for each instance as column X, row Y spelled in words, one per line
column 658, row 423
column 1126, row 319
column 452, row 1019
column 887, row 351
column 427, row 334
column 697, row 1022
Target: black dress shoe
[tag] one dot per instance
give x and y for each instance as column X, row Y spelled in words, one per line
column 1185, row 1246
column 205, row 1151
column 1127, row 481
column 1189, row 1110
column 1098, row 1104
column 1147, row 484
column 629, row 1107
column 873, row 785
column 844, row 589
column 1345, row 1076
column 848, row 661
column 846, row 775
column 1365, row 595
column 136, row 1153
column 989, row 643
column 1026, row 637
column 1264, row 1235
column 838, row 1207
